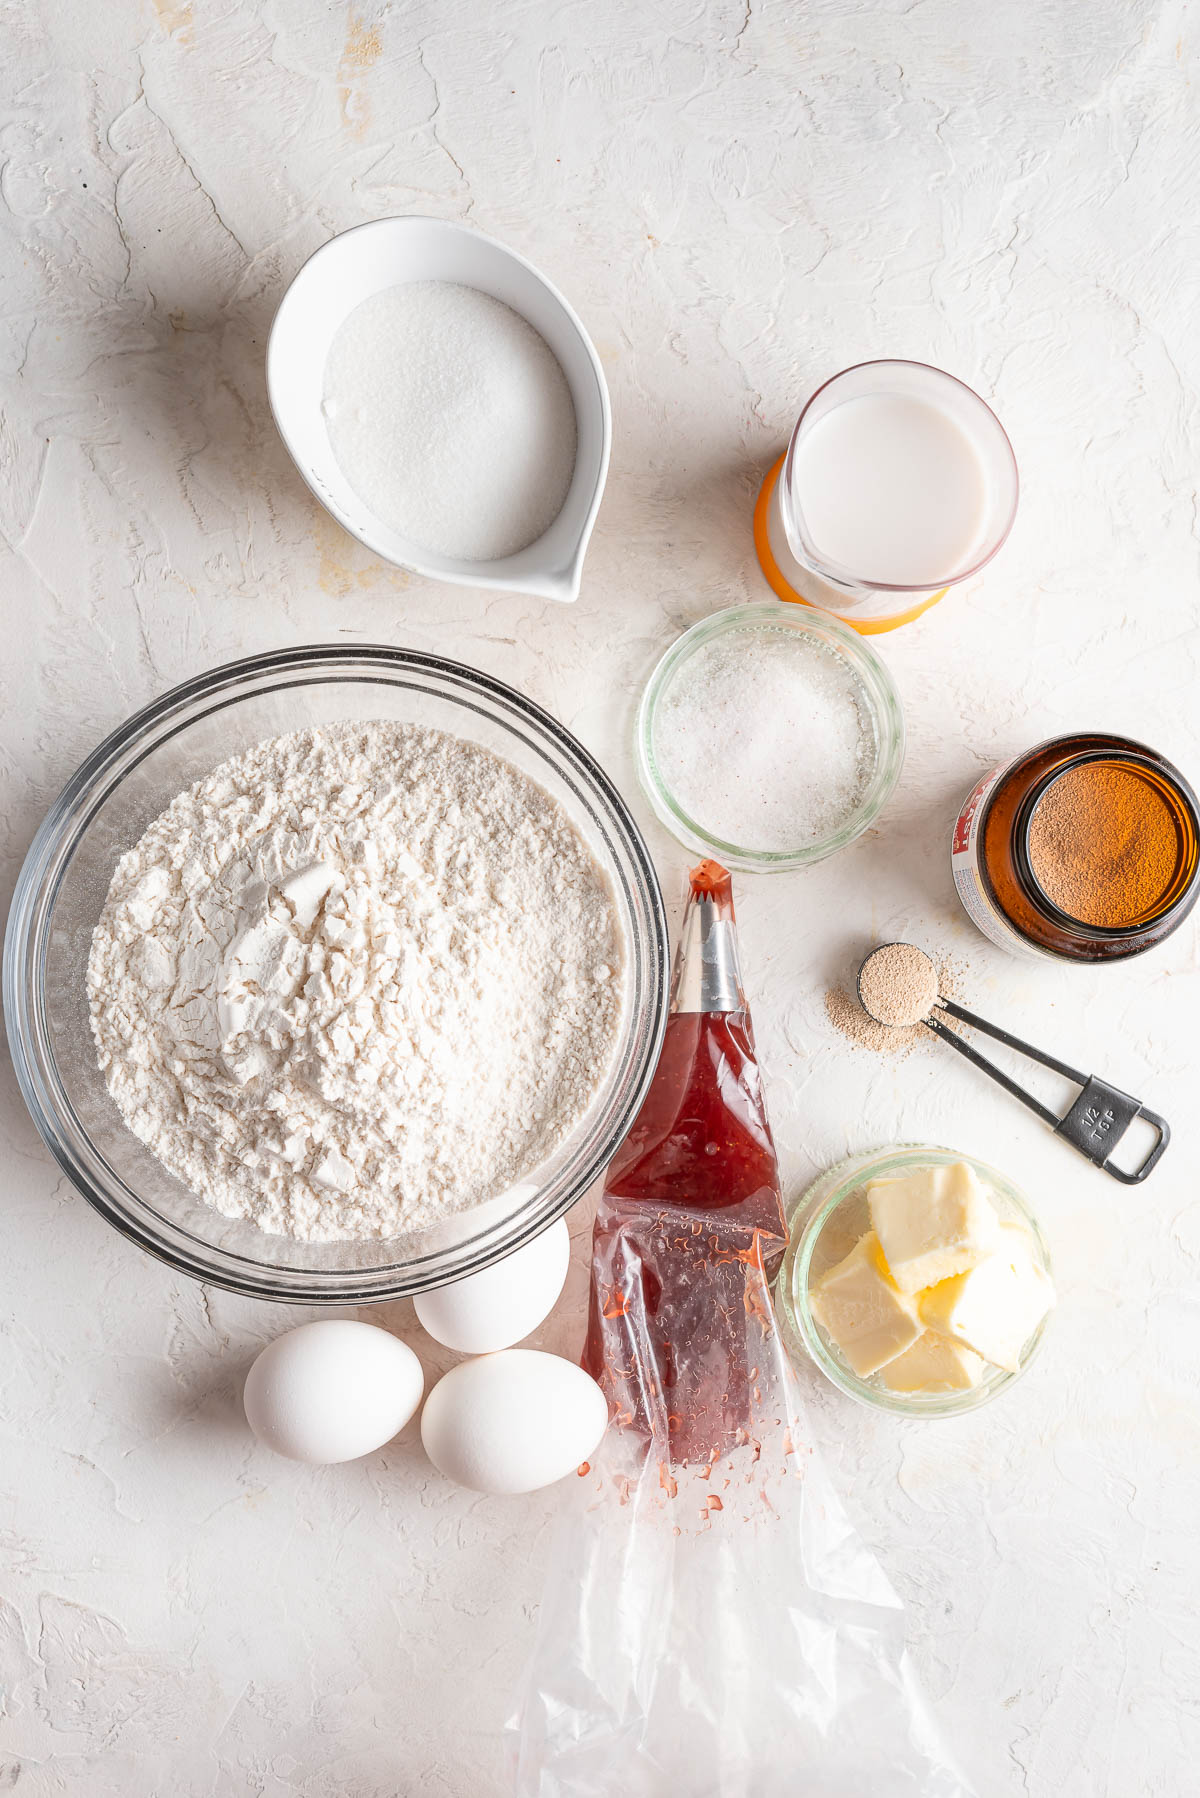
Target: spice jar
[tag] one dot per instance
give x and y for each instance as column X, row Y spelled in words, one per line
column 1083, row 849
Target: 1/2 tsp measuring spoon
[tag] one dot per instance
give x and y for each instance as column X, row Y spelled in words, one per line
column 1094, row 1124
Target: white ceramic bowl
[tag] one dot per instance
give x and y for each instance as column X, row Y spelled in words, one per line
column 387, row 253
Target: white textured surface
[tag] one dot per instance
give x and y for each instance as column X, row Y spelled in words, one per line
column 739, row 199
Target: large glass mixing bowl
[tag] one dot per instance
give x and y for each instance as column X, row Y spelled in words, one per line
column 103, row 811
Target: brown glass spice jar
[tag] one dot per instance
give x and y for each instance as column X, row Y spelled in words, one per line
column 1084, row 849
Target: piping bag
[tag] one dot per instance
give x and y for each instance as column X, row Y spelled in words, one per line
column 711, row 1625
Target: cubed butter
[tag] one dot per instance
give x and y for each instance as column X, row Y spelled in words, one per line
column 993, row 1308
column 857, row 1303
column 932, row 1223
column 933, row 1364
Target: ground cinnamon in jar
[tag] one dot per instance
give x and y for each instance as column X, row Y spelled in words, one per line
column 1103, row 844
column 1085, row 848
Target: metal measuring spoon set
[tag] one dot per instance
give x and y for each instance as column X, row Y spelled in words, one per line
column 1094, row 1124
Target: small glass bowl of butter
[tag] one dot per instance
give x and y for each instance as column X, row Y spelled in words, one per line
column 918, row 1280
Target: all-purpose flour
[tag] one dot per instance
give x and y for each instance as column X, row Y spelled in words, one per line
column 355, row 979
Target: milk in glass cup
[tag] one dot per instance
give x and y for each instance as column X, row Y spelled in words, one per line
column 898, row 482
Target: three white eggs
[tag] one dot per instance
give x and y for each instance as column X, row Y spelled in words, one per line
column 508, row 1420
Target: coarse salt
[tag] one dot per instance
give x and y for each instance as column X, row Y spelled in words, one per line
column 765, row 739
column 451, row 418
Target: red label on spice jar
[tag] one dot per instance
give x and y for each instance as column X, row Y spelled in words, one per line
column 966, row 818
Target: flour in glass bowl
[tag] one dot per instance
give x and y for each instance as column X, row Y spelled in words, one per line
column 355, row 980
column 451, row 417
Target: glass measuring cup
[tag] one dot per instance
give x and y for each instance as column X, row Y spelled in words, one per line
column 822, row 527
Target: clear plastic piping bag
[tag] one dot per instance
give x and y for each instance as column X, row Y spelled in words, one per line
column 711, row 1625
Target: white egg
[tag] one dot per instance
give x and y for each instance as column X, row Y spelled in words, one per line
column 503, row 1303
column 513, row 1421
column 332, row 1391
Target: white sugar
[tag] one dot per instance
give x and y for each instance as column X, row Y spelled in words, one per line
column 451, row 418
column 764, row 738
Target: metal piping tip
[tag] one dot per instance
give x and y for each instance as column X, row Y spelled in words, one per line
column 707, row 974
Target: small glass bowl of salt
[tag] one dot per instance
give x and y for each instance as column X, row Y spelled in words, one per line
column 769, row 738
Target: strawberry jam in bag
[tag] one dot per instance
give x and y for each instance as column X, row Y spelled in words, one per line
column 711, row 1626
column 690, row 1228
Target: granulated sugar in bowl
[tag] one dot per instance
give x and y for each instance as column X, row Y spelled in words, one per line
column 445, row 404
column 452, row 417
column 768, row 738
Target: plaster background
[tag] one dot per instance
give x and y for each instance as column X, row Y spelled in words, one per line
column 739, row 199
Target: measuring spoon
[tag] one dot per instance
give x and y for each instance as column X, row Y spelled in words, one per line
column 1094, row 1124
